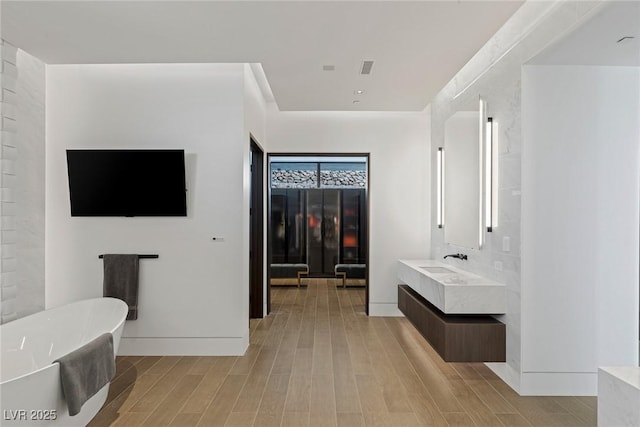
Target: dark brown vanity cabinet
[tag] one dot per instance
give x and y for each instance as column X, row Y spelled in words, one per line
column 456, row 338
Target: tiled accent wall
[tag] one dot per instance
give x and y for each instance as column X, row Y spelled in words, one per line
column 8, row 132
column 29, row 188
column 22, row 183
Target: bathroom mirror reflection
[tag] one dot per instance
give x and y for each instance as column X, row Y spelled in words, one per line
column 462, row 177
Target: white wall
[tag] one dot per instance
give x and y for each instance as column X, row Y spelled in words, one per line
column 255, row 110
column 255, row 121
column 581, row 133
column 194, row 298
column 398, row 182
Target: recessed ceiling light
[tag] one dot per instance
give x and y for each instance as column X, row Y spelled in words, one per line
column 358, row 92
column 328, row 67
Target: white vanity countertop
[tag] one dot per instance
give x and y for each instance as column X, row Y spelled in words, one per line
column 452, row 290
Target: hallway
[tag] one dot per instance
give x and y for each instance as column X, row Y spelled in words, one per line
column 317, row 360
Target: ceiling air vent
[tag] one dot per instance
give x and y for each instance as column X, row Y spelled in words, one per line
column 366, row 67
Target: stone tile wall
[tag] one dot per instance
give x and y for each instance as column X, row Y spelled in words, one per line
column 8, row 153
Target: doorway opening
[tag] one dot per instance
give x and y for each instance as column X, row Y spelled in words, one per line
column 318, row 220
column 256, row 231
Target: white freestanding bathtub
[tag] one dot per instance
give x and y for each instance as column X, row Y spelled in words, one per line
column 30, row 389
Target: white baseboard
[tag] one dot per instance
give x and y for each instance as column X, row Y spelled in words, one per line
column 183, row 346
column 547, row 383
column 384, row 309
column 559, row 384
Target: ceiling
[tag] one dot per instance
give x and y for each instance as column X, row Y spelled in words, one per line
column 596, row 41
column 417, row 47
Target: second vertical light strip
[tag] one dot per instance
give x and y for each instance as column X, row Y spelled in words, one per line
column 440, row 187
column 488, row 174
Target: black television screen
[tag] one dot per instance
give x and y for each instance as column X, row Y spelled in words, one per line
column 127, row 182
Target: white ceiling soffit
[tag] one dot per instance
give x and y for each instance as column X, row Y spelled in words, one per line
column 416, row 47
column 610, row 37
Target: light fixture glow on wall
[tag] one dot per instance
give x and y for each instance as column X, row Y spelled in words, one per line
column 440, row 186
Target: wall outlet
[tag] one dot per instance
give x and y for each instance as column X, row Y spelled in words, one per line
column 497, row 265
column 506, row 244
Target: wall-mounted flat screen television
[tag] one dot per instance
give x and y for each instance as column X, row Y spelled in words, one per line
column 127, row 182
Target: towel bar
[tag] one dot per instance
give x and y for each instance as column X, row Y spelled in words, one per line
column 139, row 256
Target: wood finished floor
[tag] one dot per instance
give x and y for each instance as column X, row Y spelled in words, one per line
column 318, row 360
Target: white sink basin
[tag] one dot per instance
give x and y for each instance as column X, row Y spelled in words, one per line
column 437, row 270
column 452, row 290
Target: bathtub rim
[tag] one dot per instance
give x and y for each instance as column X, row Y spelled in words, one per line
column 120, row 302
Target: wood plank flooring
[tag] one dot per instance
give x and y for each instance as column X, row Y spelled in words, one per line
column 318, row 360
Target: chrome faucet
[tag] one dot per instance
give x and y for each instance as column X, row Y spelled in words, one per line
column 459, row 256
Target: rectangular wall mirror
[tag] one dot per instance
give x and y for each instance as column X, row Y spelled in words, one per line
column 463, row 178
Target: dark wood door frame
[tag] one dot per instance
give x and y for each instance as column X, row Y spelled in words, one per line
column 256, row 232
column 368, row 207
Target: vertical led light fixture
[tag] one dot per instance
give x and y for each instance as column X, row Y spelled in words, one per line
column 440, row 187
column 482, row 126
column 488, row 174
column 490, row 179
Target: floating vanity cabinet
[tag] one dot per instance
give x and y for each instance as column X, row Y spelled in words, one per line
column 456, row 338
column 453, row 309
column 451, row 289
